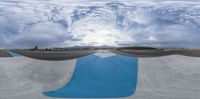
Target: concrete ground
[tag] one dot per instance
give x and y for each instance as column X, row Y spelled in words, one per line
column 26, row 78
column 4, row 53
column 166, row 77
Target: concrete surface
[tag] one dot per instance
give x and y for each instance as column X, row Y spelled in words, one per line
column 166, row 77
column 4, row 53
column 26, row 78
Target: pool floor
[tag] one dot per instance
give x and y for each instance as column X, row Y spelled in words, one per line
column 100, row 77
column 13, row 54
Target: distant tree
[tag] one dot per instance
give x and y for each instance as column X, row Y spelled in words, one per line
column 35, row 48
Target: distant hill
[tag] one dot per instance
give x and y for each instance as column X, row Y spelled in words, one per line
column 139, row 48
column 104, row 46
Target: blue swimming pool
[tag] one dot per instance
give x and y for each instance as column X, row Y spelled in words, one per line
column 97, row 77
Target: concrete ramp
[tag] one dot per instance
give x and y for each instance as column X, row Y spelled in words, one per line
column 27, row 78
column 4, row 53
column 168, row 77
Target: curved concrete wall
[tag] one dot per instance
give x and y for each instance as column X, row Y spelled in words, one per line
column 22, row 77
column 168, row 77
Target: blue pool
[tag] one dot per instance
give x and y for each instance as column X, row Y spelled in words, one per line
column 13, row 53
column 97, row 77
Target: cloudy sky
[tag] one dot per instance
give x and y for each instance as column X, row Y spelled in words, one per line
column 63, row 23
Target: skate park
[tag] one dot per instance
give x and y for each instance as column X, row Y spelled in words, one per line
column 103, row 74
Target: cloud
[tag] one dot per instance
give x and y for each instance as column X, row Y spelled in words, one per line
column 42, row 34
column 122, row 23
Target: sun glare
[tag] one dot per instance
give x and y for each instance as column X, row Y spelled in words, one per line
column 100, row 42
column 98, row 34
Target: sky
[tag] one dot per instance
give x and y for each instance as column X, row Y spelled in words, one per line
column 64, row 23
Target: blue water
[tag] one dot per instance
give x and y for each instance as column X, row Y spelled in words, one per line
column 13, row 53
column 96, row 77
